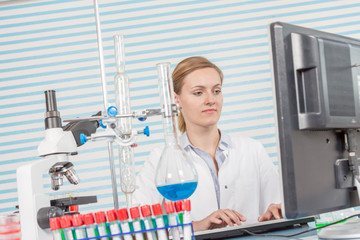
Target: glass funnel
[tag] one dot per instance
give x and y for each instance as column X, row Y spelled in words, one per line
column 176, row 177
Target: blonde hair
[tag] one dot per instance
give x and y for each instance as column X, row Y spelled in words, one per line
column 184, row 68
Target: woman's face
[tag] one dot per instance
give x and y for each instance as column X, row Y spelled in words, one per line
column 201, row 98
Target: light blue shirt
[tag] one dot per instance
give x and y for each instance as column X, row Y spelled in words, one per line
column 224, row 144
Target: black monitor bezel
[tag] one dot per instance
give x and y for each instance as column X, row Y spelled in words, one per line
column 307, row 158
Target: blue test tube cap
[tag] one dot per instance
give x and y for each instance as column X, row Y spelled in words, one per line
column 112, row 111
column 83, row 138
column 142, row 119
column 147, row 131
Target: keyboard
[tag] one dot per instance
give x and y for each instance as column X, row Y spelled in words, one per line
column 259, row 227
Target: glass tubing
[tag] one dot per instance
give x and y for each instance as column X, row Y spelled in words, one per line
column 122, row 99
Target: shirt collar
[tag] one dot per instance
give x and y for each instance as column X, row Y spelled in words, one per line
column 225, row 141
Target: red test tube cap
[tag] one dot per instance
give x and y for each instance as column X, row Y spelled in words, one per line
column 187, row 205
column 157, row 210
column 169, row 207
column 122, row 214
column 65, row 221
column 145, row 210
column 88, row 219
column 134, row 212
column 111, row 215
column 77, row 220
column 179, row 205
column 74, row 208
column 100, row 217
column 54, row 223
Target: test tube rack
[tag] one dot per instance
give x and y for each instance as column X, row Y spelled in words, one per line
column 132, row 233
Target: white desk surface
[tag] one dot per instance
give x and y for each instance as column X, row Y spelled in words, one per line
column 312, row 235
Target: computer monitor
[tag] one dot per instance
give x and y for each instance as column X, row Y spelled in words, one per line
column 317, row 82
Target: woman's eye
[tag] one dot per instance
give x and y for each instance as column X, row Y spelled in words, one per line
column 218, row 91
column 197, row 93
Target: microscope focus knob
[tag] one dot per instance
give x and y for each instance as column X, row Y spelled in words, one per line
column 44, row 215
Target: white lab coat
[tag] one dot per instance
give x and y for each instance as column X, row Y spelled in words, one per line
column 248, row 181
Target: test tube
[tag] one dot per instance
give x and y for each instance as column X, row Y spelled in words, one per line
column 179, row 209
column 148, row 222
column 157, row 210
column 136, row 221
column 187, row 220
column 100, row 219
column 56, row 230
column 79, row 228
column 180, row 212
column 113, row 224
column 125, row 225
column 90, row 225
column 65, row 222
column 173, row 220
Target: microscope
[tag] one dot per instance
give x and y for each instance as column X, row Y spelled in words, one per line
column 36, row 207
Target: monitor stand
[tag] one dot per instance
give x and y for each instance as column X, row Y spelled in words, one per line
column 347, row 230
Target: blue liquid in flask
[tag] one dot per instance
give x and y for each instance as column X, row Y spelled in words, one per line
column 177, row 191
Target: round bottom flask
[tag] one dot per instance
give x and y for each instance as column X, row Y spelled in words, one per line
column 176, row 177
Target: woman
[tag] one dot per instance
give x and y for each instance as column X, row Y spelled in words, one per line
column 237, row 180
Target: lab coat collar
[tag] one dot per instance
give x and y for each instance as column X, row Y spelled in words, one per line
column 224, row 144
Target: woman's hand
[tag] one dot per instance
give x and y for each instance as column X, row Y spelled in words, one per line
column 218, row 219
column 273, row 212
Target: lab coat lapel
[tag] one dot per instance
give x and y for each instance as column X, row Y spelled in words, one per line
column 203, row 201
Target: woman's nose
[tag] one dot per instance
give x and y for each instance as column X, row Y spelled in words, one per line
column 210, row 99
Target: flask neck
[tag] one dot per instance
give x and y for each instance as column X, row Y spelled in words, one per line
column 170, row 140
column 171, row 132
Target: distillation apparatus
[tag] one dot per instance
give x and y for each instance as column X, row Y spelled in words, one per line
column 122, row 99
column 176, row 178
column 175, row 175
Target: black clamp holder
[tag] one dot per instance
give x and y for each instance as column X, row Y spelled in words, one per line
column 60, row 207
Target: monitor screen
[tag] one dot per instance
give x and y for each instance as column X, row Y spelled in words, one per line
column 317, row 82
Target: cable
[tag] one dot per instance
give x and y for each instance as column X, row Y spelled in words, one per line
column 299, row 233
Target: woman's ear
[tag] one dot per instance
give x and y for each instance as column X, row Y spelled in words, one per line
column 176, row 98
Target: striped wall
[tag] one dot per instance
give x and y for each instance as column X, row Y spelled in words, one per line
column 50, row 44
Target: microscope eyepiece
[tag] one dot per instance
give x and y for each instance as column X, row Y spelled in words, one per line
column 50, row 100
column 52, row 115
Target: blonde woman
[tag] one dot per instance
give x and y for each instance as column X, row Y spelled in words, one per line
column 237, row 180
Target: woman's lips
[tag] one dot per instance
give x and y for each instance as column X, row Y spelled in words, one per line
column 209, row 111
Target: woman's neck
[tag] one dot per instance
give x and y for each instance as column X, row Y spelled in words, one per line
column 206, row 139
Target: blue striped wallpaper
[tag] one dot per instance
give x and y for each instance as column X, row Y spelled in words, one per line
column 50, row 44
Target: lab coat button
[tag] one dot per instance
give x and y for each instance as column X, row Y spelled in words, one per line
column 226, row 186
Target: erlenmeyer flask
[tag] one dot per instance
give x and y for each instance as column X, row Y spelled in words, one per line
column 176, row 177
